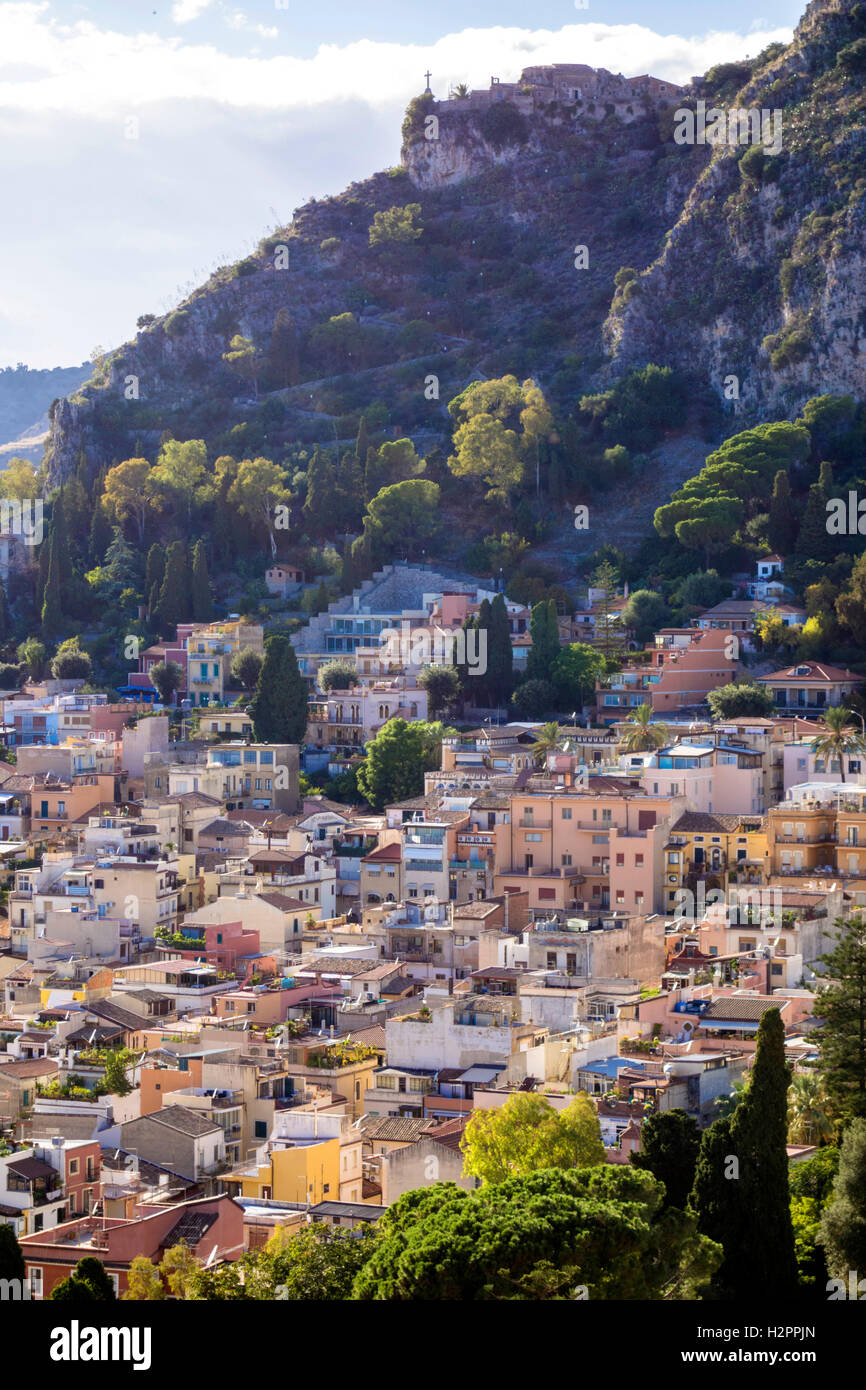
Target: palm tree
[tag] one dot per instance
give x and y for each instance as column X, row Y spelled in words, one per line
column 461, row 90
column 724, row 1106
column 841, row 739
column 547, row 739
column 808, row 1120
column 641, row 735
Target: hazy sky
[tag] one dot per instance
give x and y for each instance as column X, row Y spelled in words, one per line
column 143, row 144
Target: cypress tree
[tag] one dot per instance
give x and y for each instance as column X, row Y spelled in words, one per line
column 782, row 526
column 279, row 707
column 174, row 594
column 500, row 657
column 361, row 442
column 741, row 1195
column 478, row 687
column 52, row 609
column 350, row 494
column 544, row 631
column 349, row 577
column 319, row 501
column 11, row 1257
column 153, row 604
column 4, row 614
column 814, row 541
column 99, row 538
column 283, row 357
column 155, row 572
column 842, row 1035
column 202, row 602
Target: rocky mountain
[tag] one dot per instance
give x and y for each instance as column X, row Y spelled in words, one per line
column 566, row 232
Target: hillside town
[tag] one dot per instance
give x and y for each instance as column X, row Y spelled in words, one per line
column 234, row 1008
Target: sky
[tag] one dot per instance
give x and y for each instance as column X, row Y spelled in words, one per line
column 143, row 144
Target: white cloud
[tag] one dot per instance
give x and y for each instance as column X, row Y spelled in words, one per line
column 183, row 11
column 240, row 21
column 98, row 72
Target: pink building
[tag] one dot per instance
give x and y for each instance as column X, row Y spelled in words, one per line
column 723, row 778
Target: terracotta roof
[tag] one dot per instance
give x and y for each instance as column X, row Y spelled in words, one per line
column 817, row 671
column 22, row 1071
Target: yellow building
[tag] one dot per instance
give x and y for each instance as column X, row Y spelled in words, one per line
column 309, row 1157
column 721, row 850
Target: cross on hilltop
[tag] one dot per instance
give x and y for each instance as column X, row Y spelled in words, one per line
column 428, row 75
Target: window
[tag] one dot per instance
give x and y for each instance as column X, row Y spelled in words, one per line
column 534, row 839
column 566, row 859
column 566, row 813
column 638, row 859
column 35, row 1279
column 620, row 861
column 73, row 1166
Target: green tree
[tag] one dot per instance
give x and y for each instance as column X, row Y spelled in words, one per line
column 175, row 591
column 246, row 665
column 537, row 1237
column 243, row 359
column 143, row 1282
column 545, row 649
column 742, row 1169
column 808, row 1115
column 155, row 568
column 739, row 698
column 316, row 1263
column 11, row 1258
column 814, row 541
column 284, row 366
column 547, row 740
column 180, row 478
column 499, row 677
column 533, row 699
column 70, row 662
column 393, row 769
column 842, row 1010
column 279, row 707
column 166, row 677
column 442, row 684
column 396, row 226
column 336, row 675
column 88, row 1282
column 202, row 600
column 811, row 1183
column 401, row 517
column 32, row 654
column 843, row 1227
column 851, row 603
column 526, row 1134
column 645, row 612
column 52, row 607
column 782, row 525
column 640, row 734
column 669, row 1146
column 575, row 672
column 258, row 491
column 320, row 491
column 116, row 1079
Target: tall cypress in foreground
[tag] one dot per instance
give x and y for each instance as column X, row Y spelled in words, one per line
column 741, row 1193
column 202, row 602
column 279, row 707
column 52, row 608
column 500, row 657
column 174, row 594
